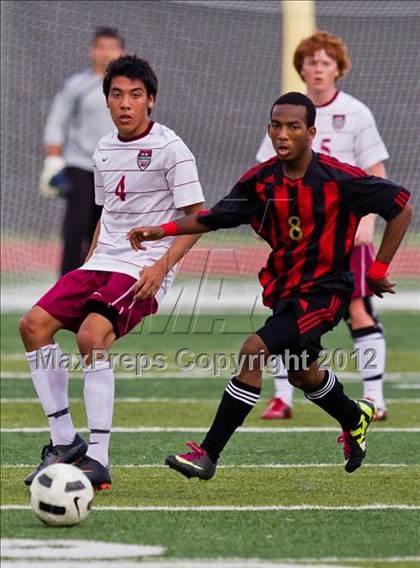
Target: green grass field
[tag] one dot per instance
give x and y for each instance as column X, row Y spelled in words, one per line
column 280, row 495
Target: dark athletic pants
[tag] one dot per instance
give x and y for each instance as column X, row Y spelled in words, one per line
column 81, row 217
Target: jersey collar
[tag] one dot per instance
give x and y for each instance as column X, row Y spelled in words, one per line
column 142, row 135
column 330, row 101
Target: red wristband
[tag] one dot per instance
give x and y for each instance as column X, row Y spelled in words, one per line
column 378, row 270
column 170, row 228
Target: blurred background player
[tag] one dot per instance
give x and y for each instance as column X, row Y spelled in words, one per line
column 78, row 119
column 346, row 129
column 143, row 172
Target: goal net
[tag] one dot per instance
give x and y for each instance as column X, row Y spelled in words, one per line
column 218, row 65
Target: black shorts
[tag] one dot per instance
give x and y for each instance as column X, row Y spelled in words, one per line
column 295, row 329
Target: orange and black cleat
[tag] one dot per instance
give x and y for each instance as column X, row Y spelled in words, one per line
column 98, row 474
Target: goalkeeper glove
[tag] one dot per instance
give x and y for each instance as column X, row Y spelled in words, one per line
column 54, row 182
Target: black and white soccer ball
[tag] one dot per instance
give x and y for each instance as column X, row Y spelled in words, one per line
column 61, row 495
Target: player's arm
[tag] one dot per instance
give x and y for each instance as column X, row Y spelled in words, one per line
column 377, row 276
column 366, row 228
column 237, row 208
column 380, row 196
column 51, row 184
column 371, row 153
column 151, row 278
column 99, row 200
column 94, row 240
column 189, row 225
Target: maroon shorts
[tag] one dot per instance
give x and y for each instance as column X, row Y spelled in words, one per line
column 361, row 259
column 81, row 292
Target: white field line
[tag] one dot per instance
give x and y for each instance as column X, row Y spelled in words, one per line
column 240, row 508
column 140, row 400
column 221, row 562
column 246, row 430
column 240, row 466
column 177, row 374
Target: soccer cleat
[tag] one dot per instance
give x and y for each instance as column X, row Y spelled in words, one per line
column 59, row 454
column 195, row 464
column 277, row 409
column 380, row 415
column 98, row 474
column 354, row 441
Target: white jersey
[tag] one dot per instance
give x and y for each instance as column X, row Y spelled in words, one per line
column 346, row 129
column 141, row 181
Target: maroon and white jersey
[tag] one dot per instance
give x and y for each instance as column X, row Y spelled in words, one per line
column 346, row 129
column 140, row 181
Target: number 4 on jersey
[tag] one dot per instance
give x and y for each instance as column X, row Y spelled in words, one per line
column 120, row 189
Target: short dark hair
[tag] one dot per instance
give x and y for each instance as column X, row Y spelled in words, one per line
column 112, row 33
column 298, row 99
column 132, row 67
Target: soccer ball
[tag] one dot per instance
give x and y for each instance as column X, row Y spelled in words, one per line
column 61, row 495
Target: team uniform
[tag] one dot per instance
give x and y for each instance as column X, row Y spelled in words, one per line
column 78, row 119
column 346, row 129
column 139, row 181
column 310, row 225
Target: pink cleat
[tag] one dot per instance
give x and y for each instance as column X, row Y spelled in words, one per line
column 380, row 415
column 277, row 410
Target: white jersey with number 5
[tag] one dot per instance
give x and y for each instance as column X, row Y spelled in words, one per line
column 346, row 129
column 140, row 181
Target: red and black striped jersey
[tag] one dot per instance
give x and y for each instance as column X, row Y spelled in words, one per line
column 310, row 223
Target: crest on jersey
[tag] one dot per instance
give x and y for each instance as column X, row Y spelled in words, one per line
column 144, row 157
column 338, row 121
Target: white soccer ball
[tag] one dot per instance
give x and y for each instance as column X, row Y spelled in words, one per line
column 61, row 495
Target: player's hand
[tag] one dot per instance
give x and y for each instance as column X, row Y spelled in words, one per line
column 139, row 234
column 53, row 181
column 149, row 282
column 380, row 287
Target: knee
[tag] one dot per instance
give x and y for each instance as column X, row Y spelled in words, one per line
column 30, row 327
column 86, row 340
column 298, row 379
column 254, row 345
column 89, row 339
column 305, row 380
column 359, row 317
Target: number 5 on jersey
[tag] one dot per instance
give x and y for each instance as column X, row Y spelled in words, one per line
column 120, row 189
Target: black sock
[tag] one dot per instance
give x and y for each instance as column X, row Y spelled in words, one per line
column 237, row 402
column 330, row 396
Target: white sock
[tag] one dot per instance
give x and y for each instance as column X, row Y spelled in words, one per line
column 283, row 389
column 51, row 385
column 99, row 394
column 370, row 343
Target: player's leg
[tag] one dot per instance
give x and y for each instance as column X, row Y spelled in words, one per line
column 112, row 312
column 94, row 339
column 242, row 393
column 280, row 406
column 50, row 376
column 77, row 219
column 369, row 343
column 366, row 331
column 240, row 396
column 323, row 388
